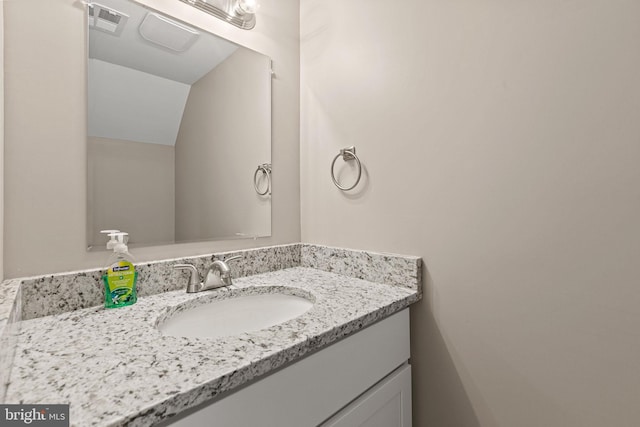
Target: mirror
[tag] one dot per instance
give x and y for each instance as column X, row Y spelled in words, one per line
column 179, row 131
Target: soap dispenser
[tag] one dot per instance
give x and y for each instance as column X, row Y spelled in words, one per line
column 120, row 279
column 112, row 238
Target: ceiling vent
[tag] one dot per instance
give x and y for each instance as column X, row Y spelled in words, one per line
column 106, row 19
column 167, row 33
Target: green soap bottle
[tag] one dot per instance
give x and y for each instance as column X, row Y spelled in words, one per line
column 121, row 276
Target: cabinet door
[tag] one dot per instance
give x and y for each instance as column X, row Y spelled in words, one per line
column 387, row 404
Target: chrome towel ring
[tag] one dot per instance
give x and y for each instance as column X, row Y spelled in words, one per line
column 348, row 153
column 265, row 168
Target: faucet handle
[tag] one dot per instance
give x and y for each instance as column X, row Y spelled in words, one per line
column 227, row 259
column 233, row 258
column 194, row 278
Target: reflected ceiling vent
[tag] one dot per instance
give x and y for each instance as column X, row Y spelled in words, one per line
column 106, row 19
column 167, row 33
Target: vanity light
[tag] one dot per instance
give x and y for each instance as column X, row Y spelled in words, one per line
column 244, row 7
column 240, row 13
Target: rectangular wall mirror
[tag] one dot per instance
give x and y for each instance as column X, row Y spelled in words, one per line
column 179, row 131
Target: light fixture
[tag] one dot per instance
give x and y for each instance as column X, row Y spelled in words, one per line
column 240, row 13
column 245, row 7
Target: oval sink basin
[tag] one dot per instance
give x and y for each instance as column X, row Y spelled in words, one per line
column 235, row 315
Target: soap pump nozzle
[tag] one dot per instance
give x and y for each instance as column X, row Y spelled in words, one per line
column 112, row 238
column 121, row 245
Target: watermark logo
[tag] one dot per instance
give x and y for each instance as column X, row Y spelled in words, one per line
column 34, row 415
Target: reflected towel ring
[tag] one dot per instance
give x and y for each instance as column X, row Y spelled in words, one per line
column 347, row 154
column 265, row 168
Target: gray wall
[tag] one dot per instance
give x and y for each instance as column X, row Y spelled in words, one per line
column 124, row 169
column 224, row 135
column 2, row 141
column 501, row 141
column 45, row 133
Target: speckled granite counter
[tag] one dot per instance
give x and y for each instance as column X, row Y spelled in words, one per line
column 10, row 314
column 115, row 368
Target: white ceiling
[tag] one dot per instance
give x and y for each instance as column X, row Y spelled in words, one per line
column 138, row 89
column 129, row 105
column 131, row 50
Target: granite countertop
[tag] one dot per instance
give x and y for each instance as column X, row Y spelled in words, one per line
column 115, row 368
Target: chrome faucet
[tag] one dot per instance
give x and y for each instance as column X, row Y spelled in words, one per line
column 218, row 275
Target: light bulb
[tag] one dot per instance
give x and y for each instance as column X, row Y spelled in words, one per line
column 246, row 7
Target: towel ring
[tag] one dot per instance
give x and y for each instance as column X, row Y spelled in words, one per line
column 265, row 168
column 347, row 154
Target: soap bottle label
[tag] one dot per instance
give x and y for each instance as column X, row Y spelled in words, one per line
column 120, row 285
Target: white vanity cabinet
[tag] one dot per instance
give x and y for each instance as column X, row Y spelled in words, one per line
column 362, row 380
column 387, row 404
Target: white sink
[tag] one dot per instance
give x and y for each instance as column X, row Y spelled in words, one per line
column 235, row 315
